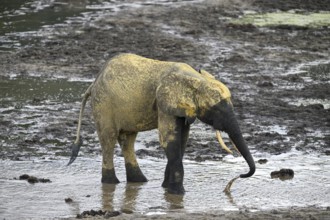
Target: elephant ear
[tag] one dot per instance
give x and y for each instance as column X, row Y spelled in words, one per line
column 206, row 74
column 176, row 95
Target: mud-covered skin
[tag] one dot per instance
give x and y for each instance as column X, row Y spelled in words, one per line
column 109, row 176
column 133, row 94
column 120, row 111
column 133, row 171
column 221, row 116
column 173, row 134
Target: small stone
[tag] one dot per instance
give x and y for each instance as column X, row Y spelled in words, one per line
column 283, row 174
column 42, row 180
column 32, row 179
column 262, row 161
column 68, row 200
column 24, row 177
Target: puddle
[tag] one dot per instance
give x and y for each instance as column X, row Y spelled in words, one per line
column 34, row 112
column 22, row 90
column 306, row 102
column 315, row 72
column 317, row 67
column 204, row 183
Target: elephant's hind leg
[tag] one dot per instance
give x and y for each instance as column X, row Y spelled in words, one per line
column 108, row 139
column 133, row 171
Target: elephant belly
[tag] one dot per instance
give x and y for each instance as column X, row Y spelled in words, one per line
column 125, row 92
column 124, row 112
column 136, row 117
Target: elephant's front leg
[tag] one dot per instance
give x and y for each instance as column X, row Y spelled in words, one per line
column 173, row 136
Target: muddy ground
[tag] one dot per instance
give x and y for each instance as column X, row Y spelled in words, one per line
column 294, row 213
column 263, row 67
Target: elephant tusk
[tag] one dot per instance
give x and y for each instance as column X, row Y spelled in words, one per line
column 234, row 146
column 222, row 144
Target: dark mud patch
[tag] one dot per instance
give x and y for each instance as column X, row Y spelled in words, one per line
column 262, row 161
column 33, row 179
column 95, row 213
column 293, row 213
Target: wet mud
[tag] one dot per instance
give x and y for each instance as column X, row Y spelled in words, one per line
column 33, row 179
column 279, row 77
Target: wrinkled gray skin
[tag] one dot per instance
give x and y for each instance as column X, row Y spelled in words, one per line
column 133, row 94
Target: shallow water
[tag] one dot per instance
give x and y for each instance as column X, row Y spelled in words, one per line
column 31, row 105
column 204, row 183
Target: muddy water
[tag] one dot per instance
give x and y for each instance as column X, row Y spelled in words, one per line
column 204, row 183
column 33, row 106
column 38, row 120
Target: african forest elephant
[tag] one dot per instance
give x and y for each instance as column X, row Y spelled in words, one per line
column 133, row 94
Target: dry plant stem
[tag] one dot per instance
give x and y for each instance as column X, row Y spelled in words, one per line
column 227, row 189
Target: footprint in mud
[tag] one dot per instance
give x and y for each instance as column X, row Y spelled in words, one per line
column 33, row 179
column 282, row 174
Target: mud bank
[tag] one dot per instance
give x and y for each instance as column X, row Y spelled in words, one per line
column 293, row 213
column 279, row 77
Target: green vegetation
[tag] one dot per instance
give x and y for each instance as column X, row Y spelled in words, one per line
column 313, row 20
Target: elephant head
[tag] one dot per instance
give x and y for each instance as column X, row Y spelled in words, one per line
column 190, row 95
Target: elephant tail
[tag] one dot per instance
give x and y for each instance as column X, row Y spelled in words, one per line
column 78, row 142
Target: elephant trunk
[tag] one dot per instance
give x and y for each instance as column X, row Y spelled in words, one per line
column 243, row 149
column 236, row 136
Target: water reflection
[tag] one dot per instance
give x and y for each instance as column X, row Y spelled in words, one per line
column 108, row 191
column 129, row 200
column 174, row 201
column 131, row 196
column 227, row 191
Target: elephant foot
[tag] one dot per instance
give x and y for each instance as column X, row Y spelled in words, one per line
column 176, row 188
column 165, row 183
column 109, row 176
column 134, row 174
